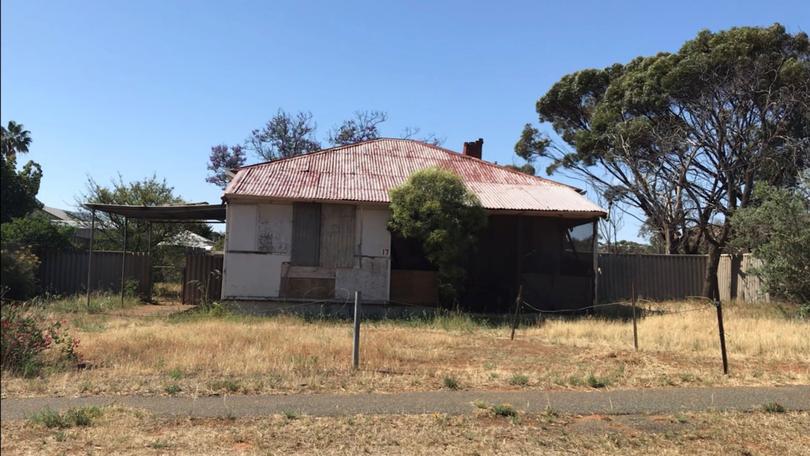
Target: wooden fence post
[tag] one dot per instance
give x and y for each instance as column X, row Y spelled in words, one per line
column 518, row 305
column 356, row 345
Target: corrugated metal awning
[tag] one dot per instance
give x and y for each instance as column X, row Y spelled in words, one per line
column 193, row 212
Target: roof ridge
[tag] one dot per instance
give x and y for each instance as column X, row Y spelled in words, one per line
column 317, row 152
column 432, row 146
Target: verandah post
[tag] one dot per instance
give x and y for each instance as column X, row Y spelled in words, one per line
column 124, row 259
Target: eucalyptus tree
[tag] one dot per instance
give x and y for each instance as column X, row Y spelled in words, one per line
column 684, row 136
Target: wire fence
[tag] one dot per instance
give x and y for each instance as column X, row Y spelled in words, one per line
column 704, row 305
column 577, row 310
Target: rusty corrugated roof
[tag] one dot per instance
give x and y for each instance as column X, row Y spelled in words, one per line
column 367, row 171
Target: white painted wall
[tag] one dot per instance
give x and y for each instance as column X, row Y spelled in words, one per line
column 373, row 266
column 375, row 240
column 258, row 239
column 252, row 275
column 241, row 227
column 275, row 228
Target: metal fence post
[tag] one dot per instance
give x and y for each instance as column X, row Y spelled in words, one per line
column 635, row 327
column 518, row 302
column 722, row 332
column 356, row 347
column 124, row 259
column 90, row 253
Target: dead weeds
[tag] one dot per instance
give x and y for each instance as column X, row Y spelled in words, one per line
column 126, row 431
column 194, row 355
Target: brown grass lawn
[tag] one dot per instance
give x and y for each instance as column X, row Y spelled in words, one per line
column 138, row 353
column 124, row 431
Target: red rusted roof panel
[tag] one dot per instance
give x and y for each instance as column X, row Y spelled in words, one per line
column 367, row 171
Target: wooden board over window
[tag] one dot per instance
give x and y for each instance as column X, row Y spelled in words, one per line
column 306, row 234
column 337, row 236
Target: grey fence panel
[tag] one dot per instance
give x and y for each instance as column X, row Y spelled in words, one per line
column 66, row 272
column 202, row 271
column 737, row 280
column 661, row 277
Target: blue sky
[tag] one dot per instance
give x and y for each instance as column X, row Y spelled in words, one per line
column 147, row 87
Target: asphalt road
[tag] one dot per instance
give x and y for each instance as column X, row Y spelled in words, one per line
column 619, row 402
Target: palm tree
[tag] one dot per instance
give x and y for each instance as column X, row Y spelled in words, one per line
column 14, row 140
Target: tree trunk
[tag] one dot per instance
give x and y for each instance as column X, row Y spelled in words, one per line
column 711, row 289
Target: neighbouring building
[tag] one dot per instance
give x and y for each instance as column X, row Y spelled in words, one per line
column 81, row 232
column 314, row 228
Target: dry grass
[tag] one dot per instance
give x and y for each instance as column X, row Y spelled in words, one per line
column 206, row 355
column 122, row 431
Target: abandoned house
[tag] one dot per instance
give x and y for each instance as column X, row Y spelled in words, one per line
column 314, row 228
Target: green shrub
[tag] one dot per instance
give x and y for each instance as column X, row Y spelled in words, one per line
column 504, row 410
column 49, row 419
column 81, row 417
column 176, row 373
column 434, row 208
column 18, row 278
column 38, row 233
column 173, row 389
column 597, row 382
column 228, row 385
column 451, row 382
column 774, row 407
column 777, row 231
column 519, row 380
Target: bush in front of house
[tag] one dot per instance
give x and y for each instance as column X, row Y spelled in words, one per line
column 434, row 207
column 25, row 338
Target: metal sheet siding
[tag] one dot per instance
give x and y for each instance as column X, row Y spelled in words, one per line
column 367, row 171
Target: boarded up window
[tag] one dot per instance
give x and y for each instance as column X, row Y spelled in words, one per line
column 337, row 236
column 306, row 234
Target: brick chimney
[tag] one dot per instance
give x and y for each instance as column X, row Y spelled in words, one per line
column 474, row 148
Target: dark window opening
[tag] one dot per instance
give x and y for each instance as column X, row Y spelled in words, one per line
column 407, row 254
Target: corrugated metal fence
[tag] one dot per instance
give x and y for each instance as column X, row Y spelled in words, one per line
column 660, row 277
column 735, row 274
column 66, row 272
column 202, row 271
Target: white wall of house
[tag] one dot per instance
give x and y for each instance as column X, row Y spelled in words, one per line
column 258, row 250
column 257, row 244
column 371, row 273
